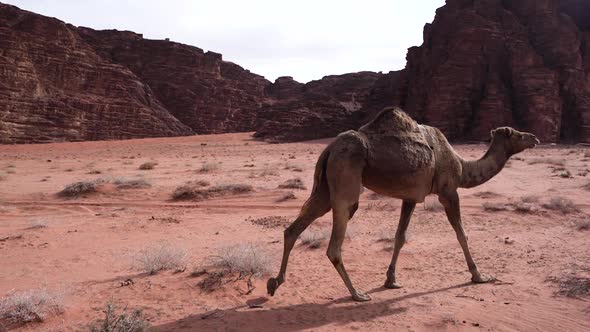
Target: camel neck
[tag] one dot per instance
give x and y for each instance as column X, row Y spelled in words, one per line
column 477, row 172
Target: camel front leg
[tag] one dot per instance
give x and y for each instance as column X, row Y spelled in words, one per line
column 451, row 203
column 400, row 239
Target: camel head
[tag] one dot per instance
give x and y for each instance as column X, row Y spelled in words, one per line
column 514, row 141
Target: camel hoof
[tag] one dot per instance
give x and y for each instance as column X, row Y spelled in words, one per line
column 361, row 297
column 271, row 286
column 392, row 285
column 482, row 279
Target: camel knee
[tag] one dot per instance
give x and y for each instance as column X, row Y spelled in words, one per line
column 353, row 209
column 334, row 256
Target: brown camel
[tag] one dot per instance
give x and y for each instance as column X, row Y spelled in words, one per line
column 397, row 157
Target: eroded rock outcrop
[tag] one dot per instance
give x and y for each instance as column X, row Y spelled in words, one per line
column 199, row 88
column 489, row 63
column 325, row 107
column 54, row 87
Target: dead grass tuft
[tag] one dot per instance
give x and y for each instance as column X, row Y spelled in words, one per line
column 295, row 183
column 490, row 206
column 550, row 161
column 381, row 206
column 530, row 199
column 148, row 165
column 208, row 167
column 268, row 171
column 77, row 189
column 271, row 221
column 289, row 195
column 114, row 321
column 160, row 257
column 33, row 305
column 197, row 192
column 314, row 239
column 583, row 225
column 432, row 204
column 572, row 285
column 561, row 204
column 486, row 194
column 37, row 223
column 131, row 183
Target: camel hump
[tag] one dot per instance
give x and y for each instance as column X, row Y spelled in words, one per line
column 393, row 122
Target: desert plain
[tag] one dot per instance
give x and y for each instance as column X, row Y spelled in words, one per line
column 529, row 227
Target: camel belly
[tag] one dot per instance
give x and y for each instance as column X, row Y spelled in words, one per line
column 402, row 171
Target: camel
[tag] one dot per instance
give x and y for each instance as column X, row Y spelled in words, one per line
column 395, row 156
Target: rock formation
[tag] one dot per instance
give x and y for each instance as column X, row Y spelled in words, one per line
column 490, row 63
column 483, row 64
column 54, row 87
column 200, row 89
column 325, row 107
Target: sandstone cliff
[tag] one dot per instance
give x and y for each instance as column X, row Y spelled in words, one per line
column 200, row 89
column 54, row 87
column 325, row 107
column 488, row 63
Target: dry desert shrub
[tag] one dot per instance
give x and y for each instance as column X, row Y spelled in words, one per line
column 314, row 238
column 289, row 195
column 386, row 235
column 524, row 207
column 530, row 199
column 431, row 203
column 494, row 206
column 208, row 167
column 550, row 161
column 268, row 171
column 37, row 223
column 572, row 284
column 131, row 183
column 197, row 192
column 586, row 186
column 94, row 171
column 381, row 206
column 244, row 259
column 148, row 165
column 114, row 321
column 583, row 225
column 160, row 257
column 486, row 194
column 77, row 189
column 295, row 183
column 562, row 204
column 271, row 221
column 294, row 168
column 34, row 305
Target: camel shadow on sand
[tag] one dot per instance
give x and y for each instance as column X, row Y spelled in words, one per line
column 297, row 317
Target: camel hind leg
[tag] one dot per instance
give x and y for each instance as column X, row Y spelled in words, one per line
column 316, row 206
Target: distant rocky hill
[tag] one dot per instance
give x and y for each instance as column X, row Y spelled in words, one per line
column 483, row 64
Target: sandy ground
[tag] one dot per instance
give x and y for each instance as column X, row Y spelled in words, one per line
column 88, row 246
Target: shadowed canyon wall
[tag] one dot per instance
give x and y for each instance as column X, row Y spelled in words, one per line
column 482, row 64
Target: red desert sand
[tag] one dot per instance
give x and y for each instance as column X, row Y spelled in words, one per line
column 91, row 248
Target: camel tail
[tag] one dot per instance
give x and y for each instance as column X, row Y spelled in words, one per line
column 320, row 193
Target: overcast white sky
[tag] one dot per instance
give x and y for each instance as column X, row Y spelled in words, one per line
column 306, row 39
